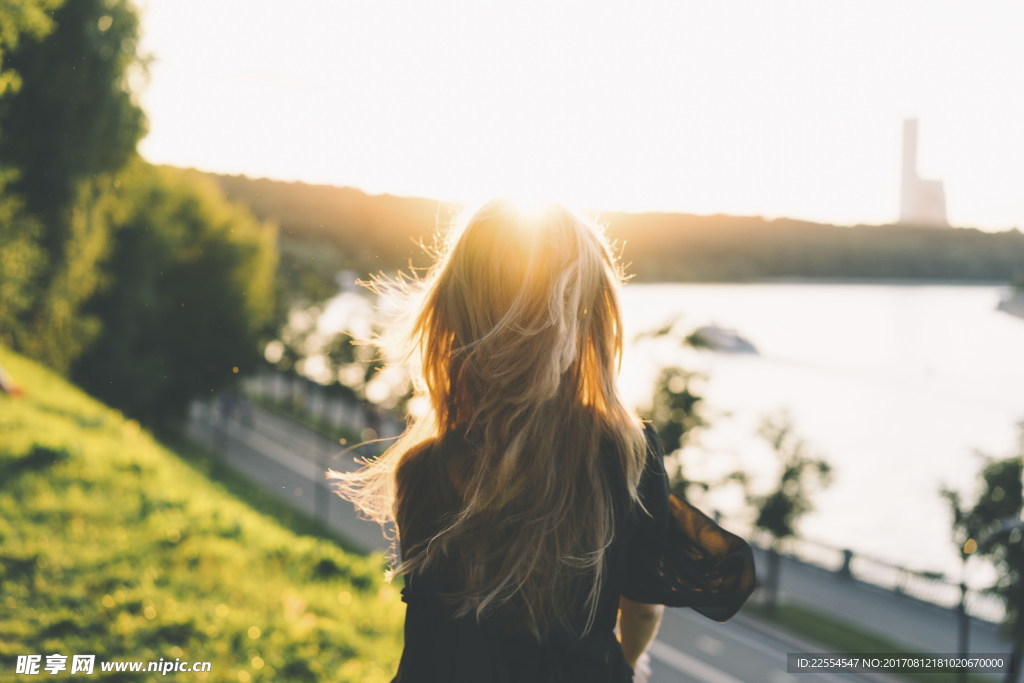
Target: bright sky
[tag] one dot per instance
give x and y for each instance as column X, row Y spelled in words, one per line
column 781, row 108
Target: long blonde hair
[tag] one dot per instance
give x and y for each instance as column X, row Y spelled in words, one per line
column 516, row 346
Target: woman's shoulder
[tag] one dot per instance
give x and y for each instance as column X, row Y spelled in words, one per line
column 433, row 472
column 421, row 452
column 424, row 494
column 651, row 435
column 415, row 461
column 654, row 453
column 441, row 461
column 651, row 474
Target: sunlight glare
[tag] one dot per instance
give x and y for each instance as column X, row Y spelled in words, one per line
column 532, row 208
column 699, row 107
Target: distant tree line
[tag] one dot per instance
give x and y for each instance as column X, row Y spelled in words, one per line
column 371, row 233
column 142, row 284
column 730, row 248
column 356, row 231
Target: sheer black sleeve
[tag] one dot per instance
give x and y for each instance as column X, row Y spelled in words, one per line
column 678, row 556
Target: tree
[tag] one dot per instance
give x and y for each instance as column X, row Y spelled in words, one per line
column 67, row 130
column 187, row 298
column 676, row 407
column 994, row 528
column 353, row 364
column 779, row 510
column 676, row 413
column 21, row 20
column 21, row 257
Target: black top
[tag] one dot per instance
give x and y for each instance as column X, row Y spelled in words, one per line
column 676, row 557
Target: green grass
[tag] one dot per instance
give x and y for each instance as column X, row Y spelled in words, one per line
column 841, row 637
column 111, row 544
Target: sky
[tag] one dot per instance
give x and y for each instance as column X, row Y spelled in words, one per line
column 782, row 108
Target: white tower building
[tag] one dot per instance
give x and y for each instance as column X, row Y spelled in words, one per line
column 922, row 202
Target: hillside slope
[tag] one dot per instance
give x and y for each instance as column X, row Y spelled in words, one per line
column 112, row 545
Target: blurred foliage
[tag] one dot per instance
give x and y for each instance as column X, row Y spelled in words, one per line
column 305, row 280
column 74, row 116
column 111, row 544
column 675, row 413
column 993, row 527
column 21, row 20
column 296, row 339
column 780, row 509
column 676, row 407
column 306, row 272
column 374, row 233
column 21, row 257
column 67, row 130
column 345, row 364
column 141, row 283
column 800, row 475
column 352, row 362
column 187, row 299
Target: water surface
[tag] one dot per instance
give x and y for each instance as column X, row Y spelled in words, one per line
column 896, row 385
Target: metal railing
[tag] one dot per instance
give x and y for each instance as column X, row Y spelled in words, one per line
column 931, row 587
column 329, row 408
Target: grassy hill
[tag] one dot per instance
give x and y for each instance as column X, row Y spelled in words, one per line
column 111, row 544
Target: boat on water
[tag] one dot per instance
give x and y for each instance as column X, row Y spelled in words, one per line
column 1013, row 303
column 719, row 338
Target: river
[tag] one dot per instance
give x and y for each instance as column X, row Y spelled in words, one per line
column 896, row 385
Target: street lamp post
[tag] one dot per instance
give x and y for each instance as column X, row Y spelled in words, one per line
column 963, row 620
column 1009, row 528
